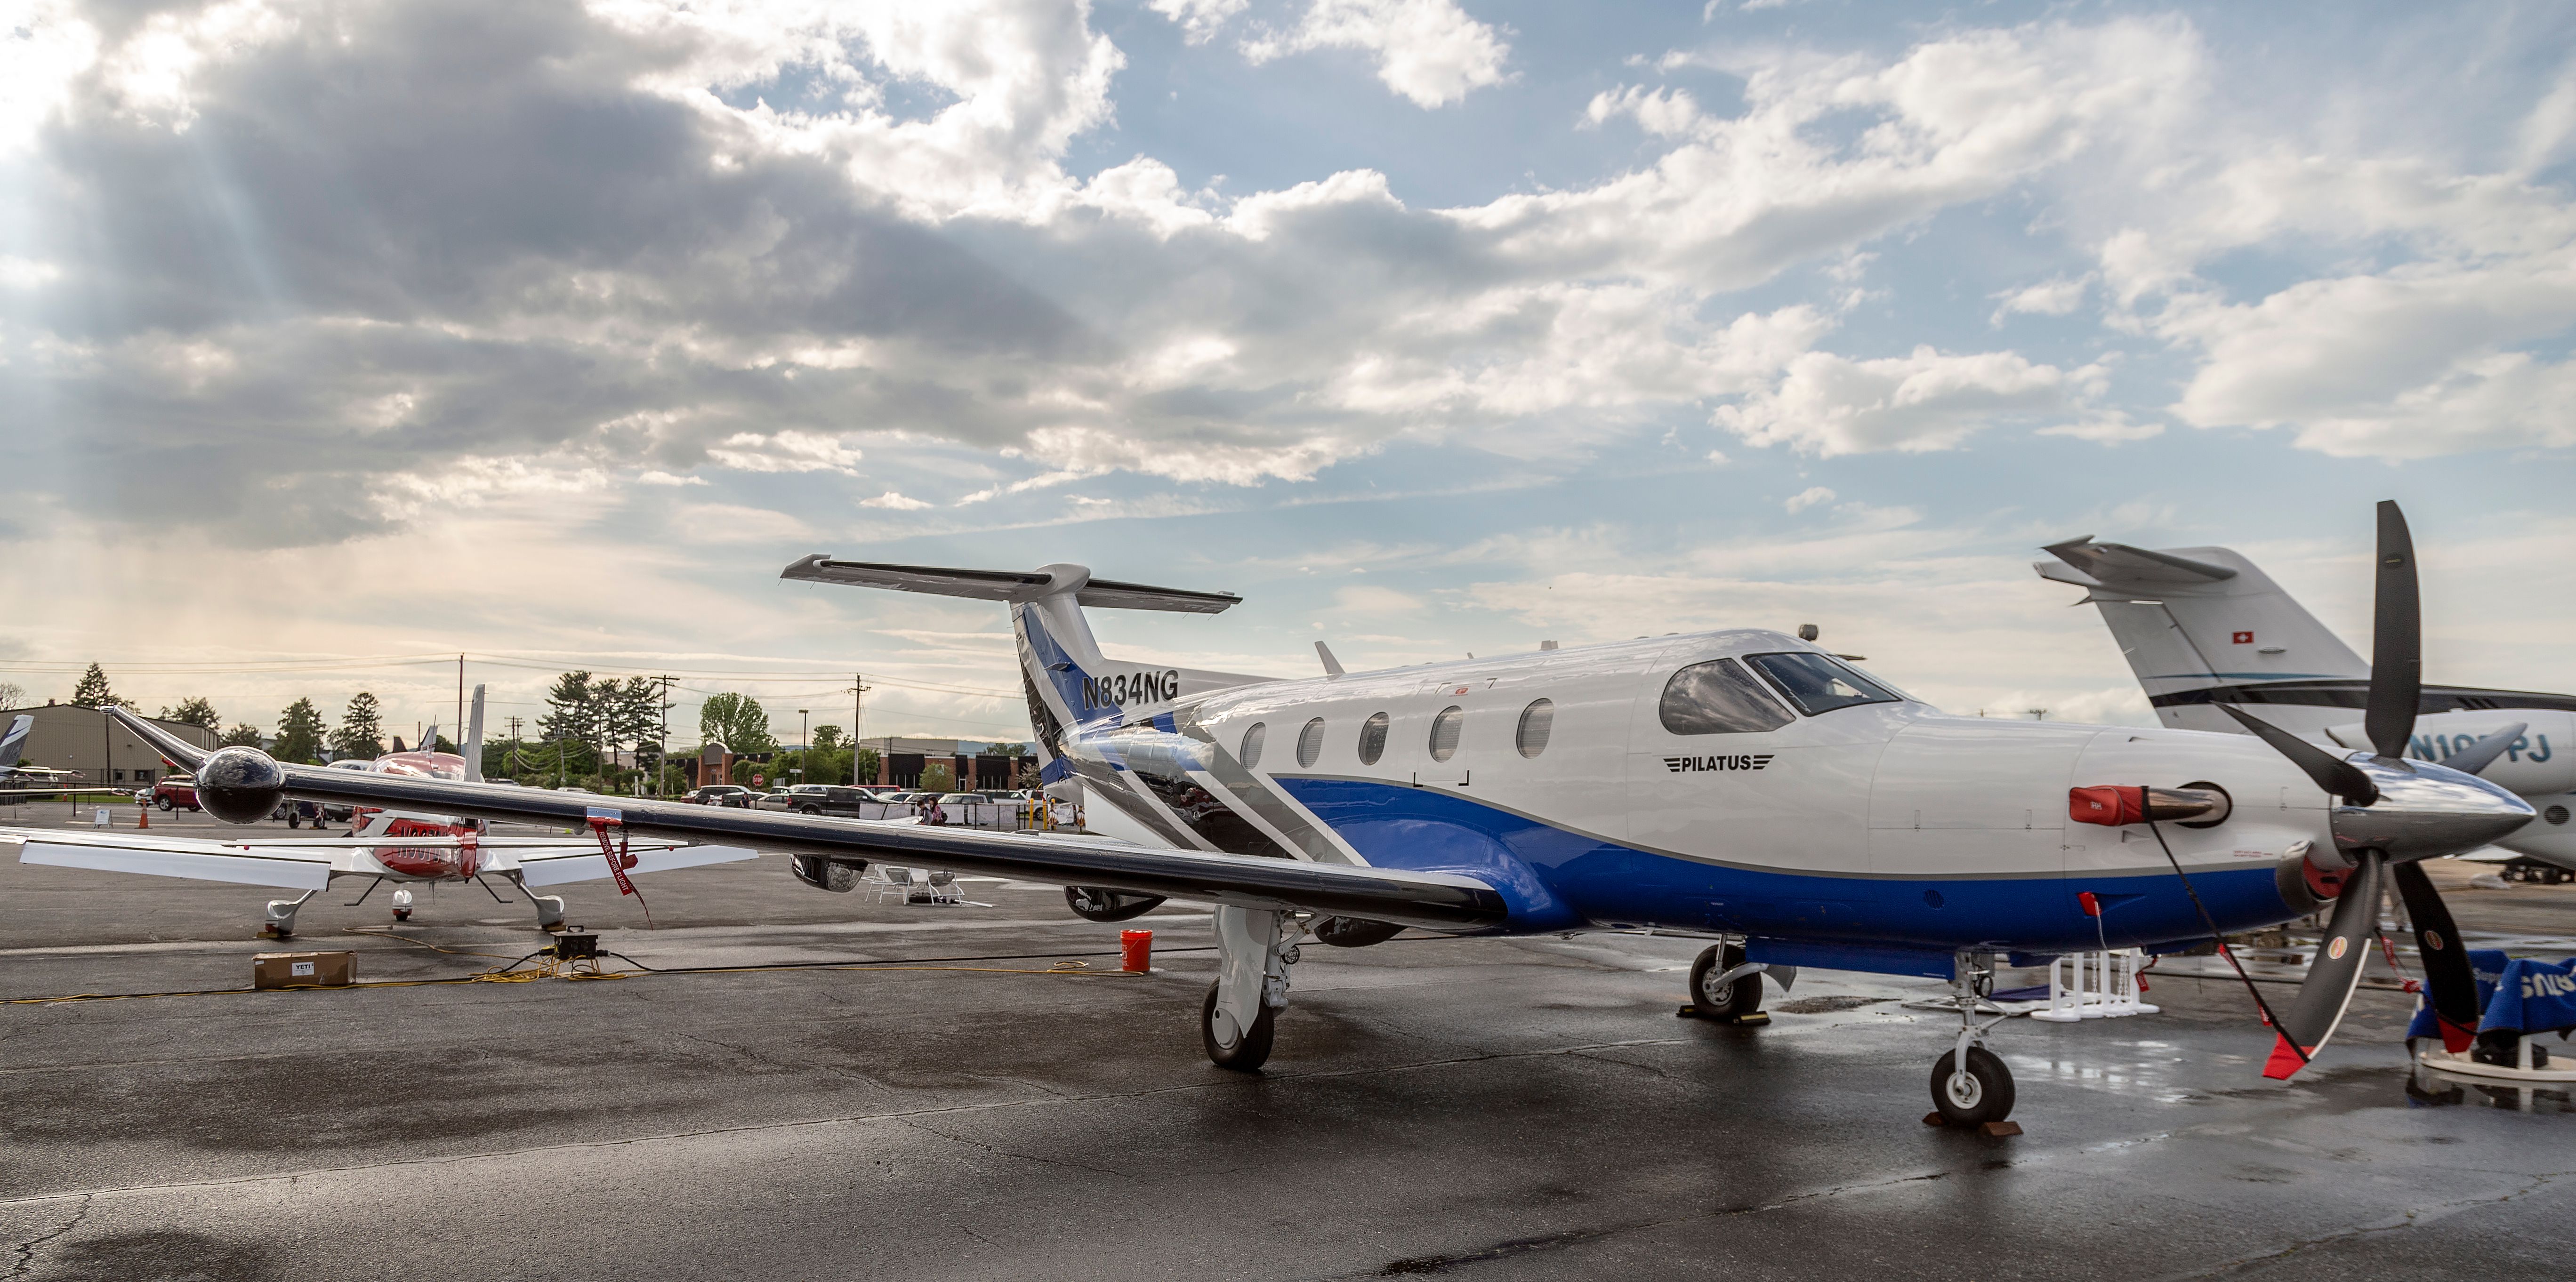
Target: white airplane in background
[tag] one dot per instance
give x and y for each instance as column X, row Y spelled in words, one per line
column 403, row 846
column 2205, row 630
column 1742, row 785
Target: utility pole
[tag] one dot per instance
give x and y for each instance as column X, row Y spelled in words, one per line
column 858, row 709
column 460, row 709
column 804, row 745
column 662, row 741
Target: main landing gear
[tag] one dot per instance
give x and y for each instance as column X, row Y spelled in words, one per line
column 1254, row 951
column 1728, row 989
column 1970, row 1084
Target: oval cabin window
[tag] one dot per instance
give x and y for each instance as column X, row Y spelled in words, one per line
column 1444, row 732
column 1718, row 697
column 1536, row 720
column 1310, row 742
column 1373, row 739
column 1251, row 753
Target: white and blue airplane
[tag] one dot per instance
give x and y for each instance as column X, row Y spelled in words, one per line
column 1743, row 785
column 2205, row 629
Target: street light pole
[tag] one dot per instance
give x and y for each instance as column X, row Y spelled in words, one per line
column 804, row 743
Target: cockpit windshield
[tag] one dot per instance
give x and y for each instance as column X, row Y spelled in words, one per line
column 1817, row 683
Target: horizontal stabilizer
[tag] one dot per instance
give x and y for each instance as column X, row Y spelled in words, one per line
column 1008, row 585
column 2123, row 568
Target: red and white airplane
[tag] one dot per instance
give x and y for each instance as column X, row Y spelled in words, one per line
column 404, row 847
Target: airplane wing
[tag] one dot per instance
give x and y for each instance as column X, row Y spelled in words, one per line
column 1437, row 901
column 241, row 863
column 554, row 867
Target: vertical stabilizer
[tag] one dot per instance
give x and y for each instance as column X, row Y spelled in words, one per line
column 1070, row 684
column 2202, row 626
column 473, row 745
column 12, row 741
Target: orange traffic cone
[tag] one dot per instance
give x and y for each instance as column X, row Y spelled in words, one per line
column 143, row 817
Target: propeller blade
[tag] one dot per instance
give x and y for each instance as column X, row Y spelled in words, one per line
column 2313, row 1014
column 2475, row 758
column 2449, row 981
column 2396, row 640
column 2332, row 773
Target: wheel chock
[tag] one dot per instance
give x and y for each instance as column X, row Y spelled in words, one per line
column 1934, row 1118
column 1755, row 1020
column 1998, row 1130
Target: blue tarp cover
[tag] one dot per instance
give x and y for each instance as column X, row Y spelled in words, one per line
column 2489, row 963
column 2533, row 997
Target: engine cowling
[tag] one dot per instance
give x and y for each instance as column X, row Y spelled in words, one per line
column 839, row 876
column 1091, row 903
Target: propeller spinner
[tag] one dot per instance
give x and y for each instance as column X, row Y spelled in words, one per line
column 2394, row 814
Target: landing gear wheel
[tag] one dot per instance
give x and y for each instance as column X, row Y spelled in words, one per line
column 1982, row 1094
column 295, row 821
column 1245, row 1051
column 1729, row 1001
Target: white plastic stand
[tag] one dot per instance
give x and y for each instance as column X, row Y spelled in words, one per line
column 2094, row 986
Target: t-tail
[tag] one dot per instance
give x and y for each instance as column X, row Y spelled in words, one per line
column 1069, row 683
column 2204, row 626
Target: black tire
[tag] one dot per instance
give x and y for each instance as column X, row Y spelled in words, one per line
column 809, row 810
column 1736, row 1000
column 1250, row 1051
column 166, row 805
column 1984, row 1095
column 295, row 821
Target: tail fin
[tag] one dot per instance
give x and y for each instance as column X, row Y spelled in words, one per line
column 473, row 744
column 1069, row 682
column 9, row 742
column 2200, row 625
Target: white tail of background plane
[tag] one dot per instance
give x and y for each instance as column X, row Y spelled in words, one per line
column 2203, row 625
column 1069, row 682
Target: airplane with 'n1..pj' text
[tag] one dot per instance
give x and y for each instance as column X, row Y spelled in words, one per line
column 1744, row 785
column 403, row 845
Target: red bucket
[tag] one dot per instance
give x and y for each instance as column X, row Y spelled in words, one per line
column 1136, row 951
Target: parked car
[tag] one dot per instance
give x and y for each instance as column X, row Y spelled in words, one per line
column 175, row 792
column 826, row 799
column 721, row 794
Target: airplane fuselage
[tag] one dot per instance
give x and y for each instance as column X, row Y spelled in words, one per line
column 1877, row 835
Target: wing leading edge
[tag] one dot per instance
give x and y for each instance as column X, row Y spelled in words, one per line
column 1437, row 901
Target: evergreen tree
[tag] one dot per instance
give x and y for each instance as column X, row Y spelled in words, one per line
column 572, row 710
column 194, row 712
column 243, row 735
column 299, row 733
column 737, row 722
column 92, row 692
column 631, row 712
column 361, row 733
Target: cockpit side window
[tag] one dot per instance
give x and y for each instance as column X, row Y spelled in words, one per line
column 1818, row 684
column 1718, row 698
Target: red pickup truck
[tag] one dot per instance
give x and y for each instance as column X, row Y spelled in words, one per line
column 175, row 792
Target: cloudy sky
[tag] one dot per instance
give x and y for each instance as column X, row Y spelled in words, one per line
column 335, row 336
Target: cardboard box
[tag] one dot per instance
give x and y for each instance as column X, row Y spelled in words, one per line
column 302, row 970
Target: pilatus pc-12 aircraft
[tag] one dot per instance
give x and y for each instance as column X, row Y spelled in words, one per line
column 1743, row 785
column 405, row 846
column 2206, row 630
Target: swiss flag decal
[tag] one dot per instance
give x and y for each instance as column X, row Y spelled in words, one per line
column 2244, row 638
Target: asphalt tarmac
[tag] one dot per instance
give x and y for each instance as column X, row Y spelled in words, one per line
column 969, row 1105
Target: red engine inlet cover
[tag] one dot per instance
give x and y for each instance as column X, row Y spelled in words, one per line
column 2108, row 805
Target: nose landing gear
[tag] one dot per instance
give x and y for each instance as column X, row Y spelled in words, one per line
column 1970, row 1084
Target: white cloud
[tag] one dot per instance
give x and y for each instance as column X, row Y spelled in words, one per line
column 895, row 501
column 1430, row 51
column 2048, row 298
column 1199, row 19
column 1809, row 497
column 785, row 452
column 1830, row 405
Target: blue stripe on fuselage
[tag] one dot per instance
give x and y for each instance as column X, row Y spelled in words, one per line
column 1555, row 879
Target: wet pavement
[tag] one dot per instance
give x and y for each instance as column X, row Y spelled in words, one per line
column 973, row 1106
